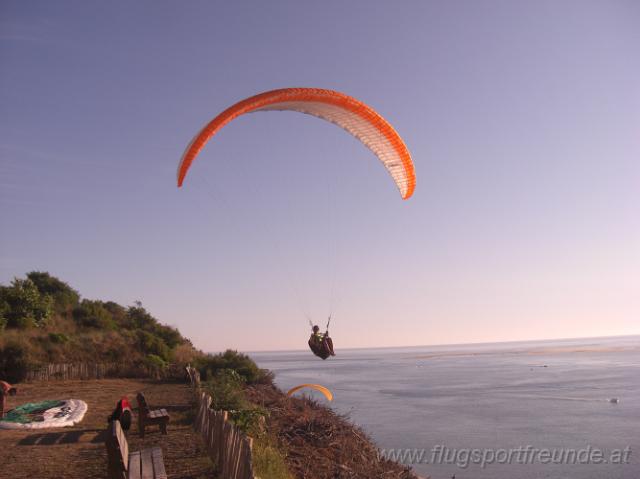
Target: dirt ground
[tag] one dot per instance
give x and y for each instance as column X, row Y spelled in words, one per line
column 79, row 452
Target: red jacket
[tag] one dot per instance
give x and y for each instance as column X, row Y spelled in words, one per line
column 5, row 387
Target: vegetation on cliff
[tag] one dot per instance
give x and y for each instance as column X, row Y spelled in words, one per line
column 44, row 320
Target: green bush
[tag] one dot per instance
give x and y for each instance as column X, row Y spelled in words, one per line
column 13, row 363
column 64, row 297
column 4, row 309
column 225, row 387
column 118, row 313
column 242, row 364
column 171, row 336
column 93, row 314
column 150, row 344
column 155, row 362
column 87, row 330
column 23, row 304
column 249, row 420
column 140, row 318
column 268, row 461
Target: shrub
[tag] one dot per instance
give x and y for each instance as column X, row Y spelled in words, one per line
column 265, row 377
column 24, row 305
column 118, row 313
column 250, row 420
column 242, row 364
column 185, row 353
column 155, row 364
column 140, row 318
column 93, row 314
column 226, row 390
column 171, row 336
column 268, row 461
column 13, row 363
column 4, row 309
column 63, row 295
column 150, row 344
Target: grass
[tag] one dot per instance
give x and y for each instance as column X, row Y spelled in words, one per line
column 268, row 461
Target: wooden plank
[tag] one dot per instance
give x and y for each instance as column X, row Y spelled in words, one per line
column 224, row 439
column 219, row 438
column 244, row 470
column 240, row 466
column 232, row 453
column 211, row 436
column 134, row 465
column 249, row 459
column 158, row 463
column 159, row 414
column 222, row 448
column 241, row 461
column 228, row 432
column 146, row 463
column 198, row 416
column 238, row 452
column 235, row 457
column 122, row 443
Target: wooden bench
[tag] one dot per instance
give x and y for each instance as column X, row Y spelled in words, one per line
column 147, row 417
column 145, row 464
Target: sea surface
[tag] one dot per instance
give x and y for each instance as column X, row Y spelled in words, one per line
column 539, row 409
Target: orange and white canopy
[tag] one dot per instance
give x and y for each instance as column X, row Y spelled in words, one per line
column 357, row 118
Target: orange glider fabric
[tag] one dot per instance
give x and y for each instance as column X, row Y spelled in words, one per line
column 360, row 120
column 328, row 394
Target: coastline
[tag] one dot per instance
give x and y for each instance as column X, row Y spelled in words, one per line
column 318, row 443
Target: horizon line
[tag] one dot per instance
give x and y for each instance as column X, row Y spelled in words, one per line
column 449, row 344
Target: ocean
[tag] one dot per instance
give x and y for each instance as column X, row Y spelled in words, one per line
column 538, row 409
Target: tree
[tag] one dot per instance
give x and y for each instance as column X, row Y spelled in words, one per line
column 26, row 306
column 140, row 318
column 93, row 314
column 118, row 313
column 4, row 309
column 63, row 295
column 13, row 363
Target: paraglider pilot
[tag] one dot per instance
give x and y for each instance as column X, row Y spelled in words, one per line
column 320, row 343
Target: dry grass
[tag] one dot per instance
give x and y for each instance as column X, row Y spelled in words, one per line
column 318, row 444
column 79, row 452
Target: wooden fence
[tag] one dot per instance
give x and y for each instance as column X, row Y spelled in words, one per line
column 64, row 371
column 194, row 377
column 228, row 447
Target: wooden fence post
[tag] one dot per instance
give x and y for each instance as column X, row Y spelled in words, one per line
column 228, row 447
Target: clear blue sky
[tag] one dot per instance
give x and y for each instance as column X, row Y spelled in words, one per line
column 523, row 119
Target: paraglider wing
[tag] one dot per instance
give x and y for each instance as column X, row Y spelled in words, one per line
column 357, row 118
column 317, row 387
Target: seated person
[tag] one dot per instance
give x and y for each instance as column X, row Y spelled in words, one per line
column 321, row 344
column 122, row 413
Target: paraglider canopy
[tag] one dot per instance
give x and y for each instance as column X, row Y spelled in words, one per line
column 357, row 118
column 327, row 394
